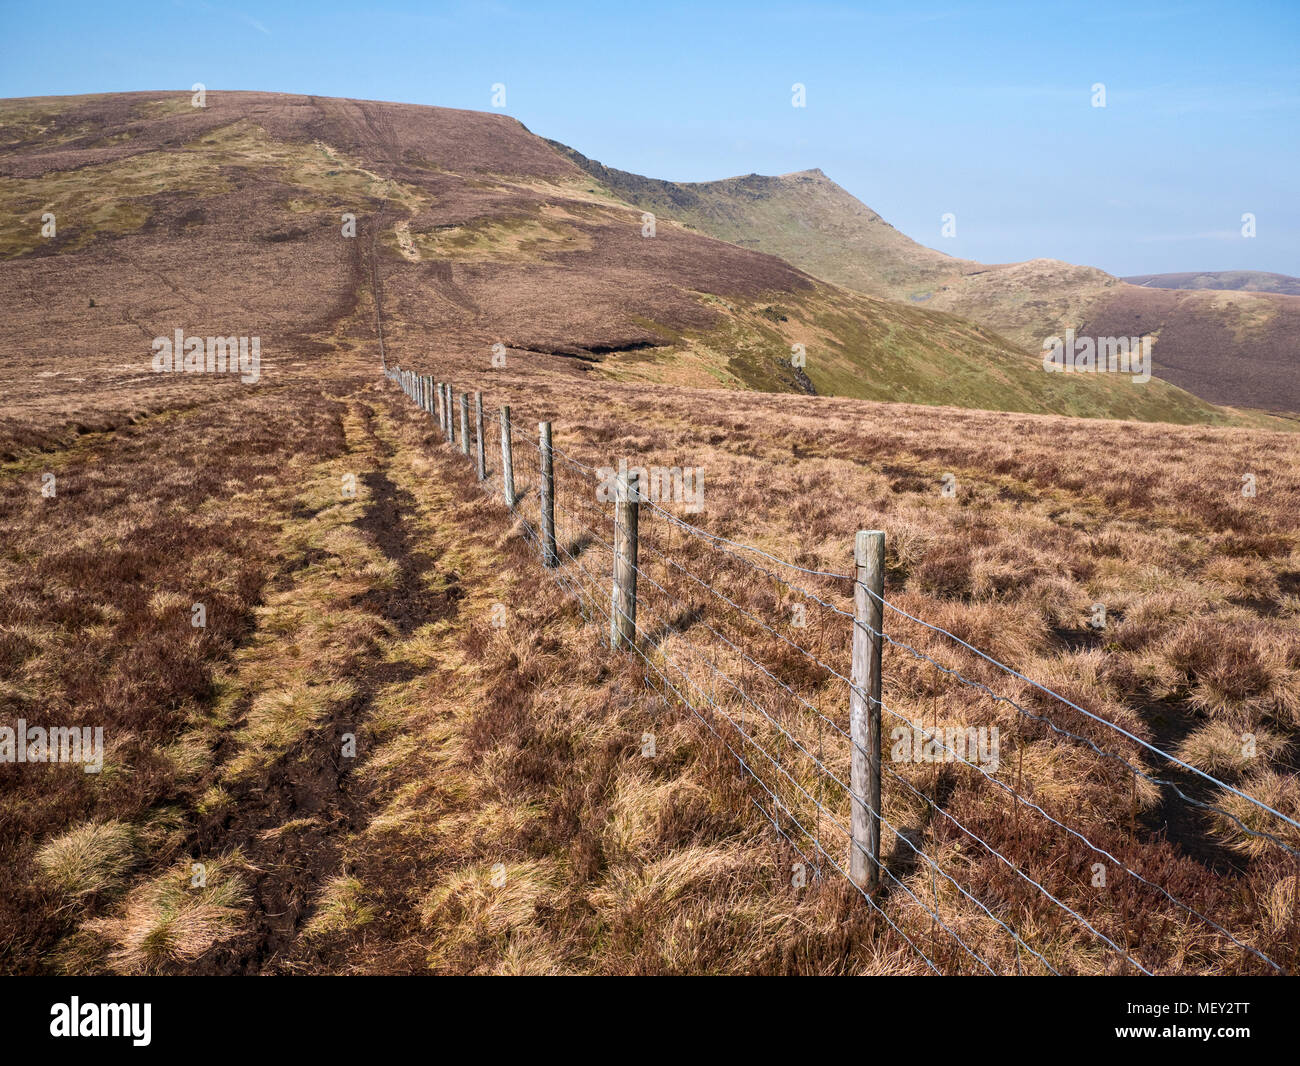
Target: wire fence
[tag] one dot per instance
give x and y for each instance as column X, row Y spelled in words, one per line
column 982, row 867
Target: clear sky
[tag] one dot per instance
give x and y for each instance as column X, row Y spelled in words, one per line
column 918, row 109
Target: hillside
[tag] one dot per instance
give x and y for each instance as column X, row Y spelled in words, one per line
column 484, row 235
column 1231, row 280
column 1241, row 350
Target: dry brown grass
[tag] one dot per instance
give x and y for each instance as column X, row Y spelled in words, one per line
column 515, row 751
column 171, row 920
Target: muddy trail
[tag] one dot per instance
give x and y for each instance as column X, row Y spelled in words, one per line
column 291, row 818
column 1183, row 823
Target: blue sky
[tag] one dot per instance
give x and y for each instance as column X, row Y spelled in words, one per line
column 981, row 110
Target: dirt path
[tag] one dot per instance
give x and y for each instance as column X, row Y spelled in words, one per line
column 288, row 822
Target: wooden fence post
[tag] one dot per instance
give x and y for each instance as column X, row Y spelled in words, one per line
column 507, row 460
column 622, row 619
column 464, row 423
column 451, row 417
column 546, row 494
column 864, row 708
column 480, row 459
column 437, row 405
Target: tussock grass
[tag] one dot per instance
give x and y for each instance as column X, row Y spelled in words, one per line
column 90, row 860
column 170, row 920
column 342, row 908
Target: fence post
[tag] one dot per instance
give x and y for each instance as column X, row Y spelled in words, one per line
column 428, row 395
column 424, row 392
column 507, row 460
column 546, row 494
column 451, row 417
column 622, row 619
column 479, row 458
column 437, row 404
column 464, row 423
column 864, row 707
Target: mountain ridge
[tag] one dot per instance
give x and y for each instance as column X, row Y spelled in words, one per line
column 1223, row 280
column 811, row 221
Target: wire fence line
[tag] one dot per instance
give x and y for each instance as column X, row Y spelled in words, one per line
column 983, row 874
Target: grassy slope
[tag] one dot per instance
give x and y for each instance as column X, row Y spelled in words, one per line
column 859, row 346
